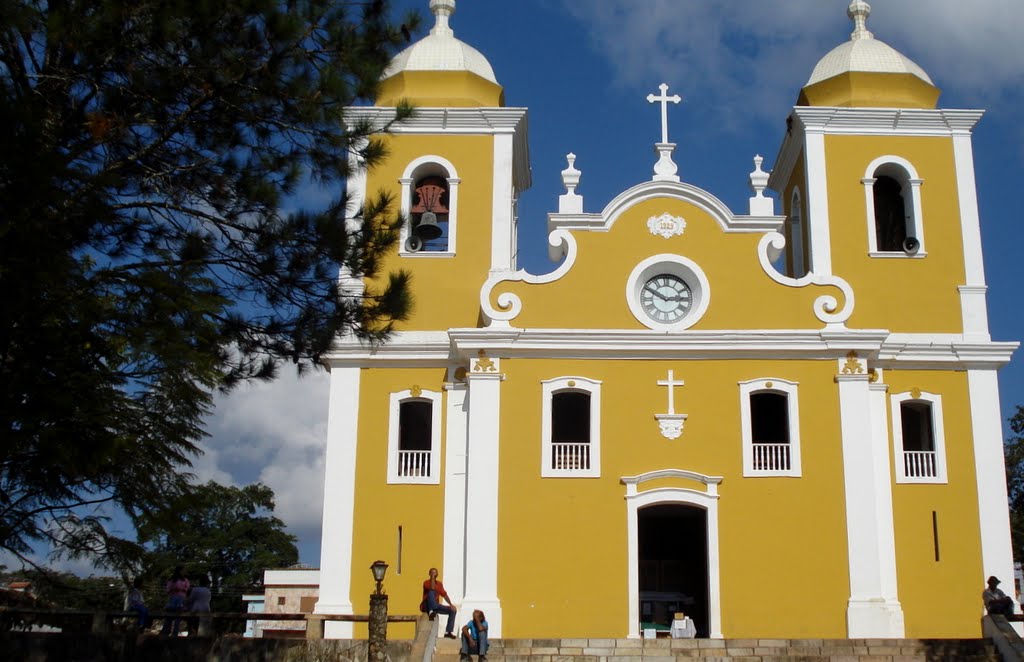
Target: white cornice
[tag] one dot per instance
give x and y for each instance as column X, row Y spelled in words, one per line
column 865, row 122
column 461, row 121
column 884, row 349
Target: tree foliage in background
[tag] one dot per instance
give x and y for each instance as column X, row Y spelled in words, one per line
column 227, row 533
column 1014, row 452
column 153, row 243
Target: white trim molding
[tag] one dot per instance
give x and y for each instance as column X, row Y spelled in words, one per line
column 826, row 307
column 551, row 387
column 928, row 467
column 708, row 501
column 676, row 265
column 430, row 164
column 792, row 451
column 906, row 175
column 340, row 493
column 456, row 453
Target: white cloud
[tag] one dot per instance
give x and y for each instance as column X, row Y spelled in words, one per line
column 738, row 59
column 275, row 433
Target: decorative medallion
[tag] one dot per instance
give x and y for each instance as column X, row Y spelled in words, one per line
column 460, row 374
column 852, row 366
column 768, row 384
column 915, row 393
column 415, row 391
column 484, row 364
column 572, row 383
column 671, row 425
column 872, row 376
column 666, row 225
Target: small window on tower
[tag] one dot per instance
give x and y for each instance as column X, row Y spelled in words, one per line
column 414, row 437
column 429, row 214
column 893, row 198
column 890, row 214
column 918, row 438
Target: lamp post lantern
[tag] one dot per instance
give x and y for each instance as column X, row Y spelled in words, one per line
column 378, row 621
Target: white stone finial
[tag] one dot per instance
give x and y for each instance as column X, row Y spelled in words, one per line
column 858, row 11
column 570, row 203
column 442, row 10
column 759, row 204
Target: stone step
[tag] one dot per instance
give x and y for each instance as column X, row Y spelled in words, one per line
column 746, row 650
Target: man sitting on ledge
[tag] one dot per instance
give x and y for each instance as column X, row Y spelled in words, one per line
column 997, row 602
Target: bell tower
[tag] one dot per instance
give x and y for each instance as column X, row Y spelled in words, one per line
column 455, row 169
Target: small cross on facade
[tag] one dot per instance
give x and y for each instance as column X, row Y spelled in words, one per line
column 671, row 384
column 664, row 99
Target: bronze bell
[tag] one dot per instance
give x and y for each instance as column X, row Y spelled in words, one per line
column 427, row 228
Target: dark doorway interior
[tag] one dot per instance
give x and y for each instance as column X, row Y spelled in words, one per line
column 673, row 551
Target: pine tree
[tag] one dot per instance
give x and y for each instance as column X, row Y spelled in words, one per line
column 172, row 221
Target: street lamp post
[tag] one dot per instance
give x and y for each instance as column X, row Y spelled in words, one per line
column 378, row 624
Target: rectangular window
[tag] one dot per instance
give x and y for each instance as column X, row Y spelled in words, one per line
column 770, row 418
column 918, row 439
column 571, row 432
column 414, row 437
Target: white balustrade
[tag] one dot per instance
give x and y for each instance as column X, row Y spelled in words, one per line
column 771, row 457
column 919, row 464
column 573, row 456
column 414, row 463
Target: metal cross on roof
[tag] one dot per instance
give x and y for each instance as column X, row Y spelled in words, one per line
column 664, row 99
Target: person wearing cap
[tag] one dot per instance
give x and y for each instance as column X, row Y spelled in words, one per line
column 996, row 602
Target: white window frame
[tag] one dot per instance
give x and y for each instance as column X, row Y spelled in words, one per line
column 797, row 267
column 938, row 433
column 549, row 387
column 417, row 169
column 781, row 387
column 907, row 177
column 434, row 478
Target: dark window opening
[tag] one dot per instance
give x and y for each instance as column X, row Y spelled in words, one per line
column 430, row 196
column 570, row 430
column 414, row 437
column 916, row 418
column 769, row 418
column 890, row 214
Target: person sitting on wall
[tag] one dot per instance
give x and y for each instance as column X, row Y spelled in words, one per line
column 474, row 637
column 996, row 602
column 433, row 593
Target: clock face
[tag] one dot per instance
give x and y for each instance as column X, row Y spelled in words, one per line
column 666, row 298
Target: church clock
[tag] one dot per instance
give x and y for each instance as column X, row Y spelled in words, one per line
column 666, row 298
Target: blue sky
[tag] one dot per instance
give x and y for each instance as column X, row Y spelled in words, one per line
column 584, row 69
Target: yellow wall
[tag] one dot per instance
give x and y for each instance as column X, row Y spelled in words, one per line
column 909, row 295
column 453, row 89
column 742, row 295
column 381, row 508
column 959, row 570
column 562, row 541
column 446, row 291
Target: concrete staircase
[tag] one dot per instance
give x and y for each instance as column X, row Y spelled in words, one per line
column 745, row 650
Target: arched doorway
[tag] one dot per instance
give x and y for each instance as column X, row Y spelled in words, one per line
column 672, row 546
column 689, row 495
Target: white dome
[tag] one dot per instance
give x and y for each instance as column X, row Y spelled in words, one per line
column 440, row 50
column 864, row 53
column 868, row 55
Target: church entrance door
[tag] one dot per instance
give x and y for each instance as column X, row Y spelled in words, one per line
column 672, row 546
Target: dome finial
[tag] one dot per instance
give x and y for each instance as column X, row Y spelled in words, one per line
column 442, row 10
column 858, row 13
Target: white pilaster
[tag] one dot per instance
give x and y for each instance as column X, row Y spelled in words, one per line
column 454, row 568
column 989, row 465
column 872, row 611
column 502, row 249
column 883, row 505
column 972, row 296
column 483, row 424
column 339, row 500
column 817, row 203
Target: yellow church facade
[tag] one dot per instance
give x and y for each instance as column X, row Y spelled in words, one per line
column 783, row 423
